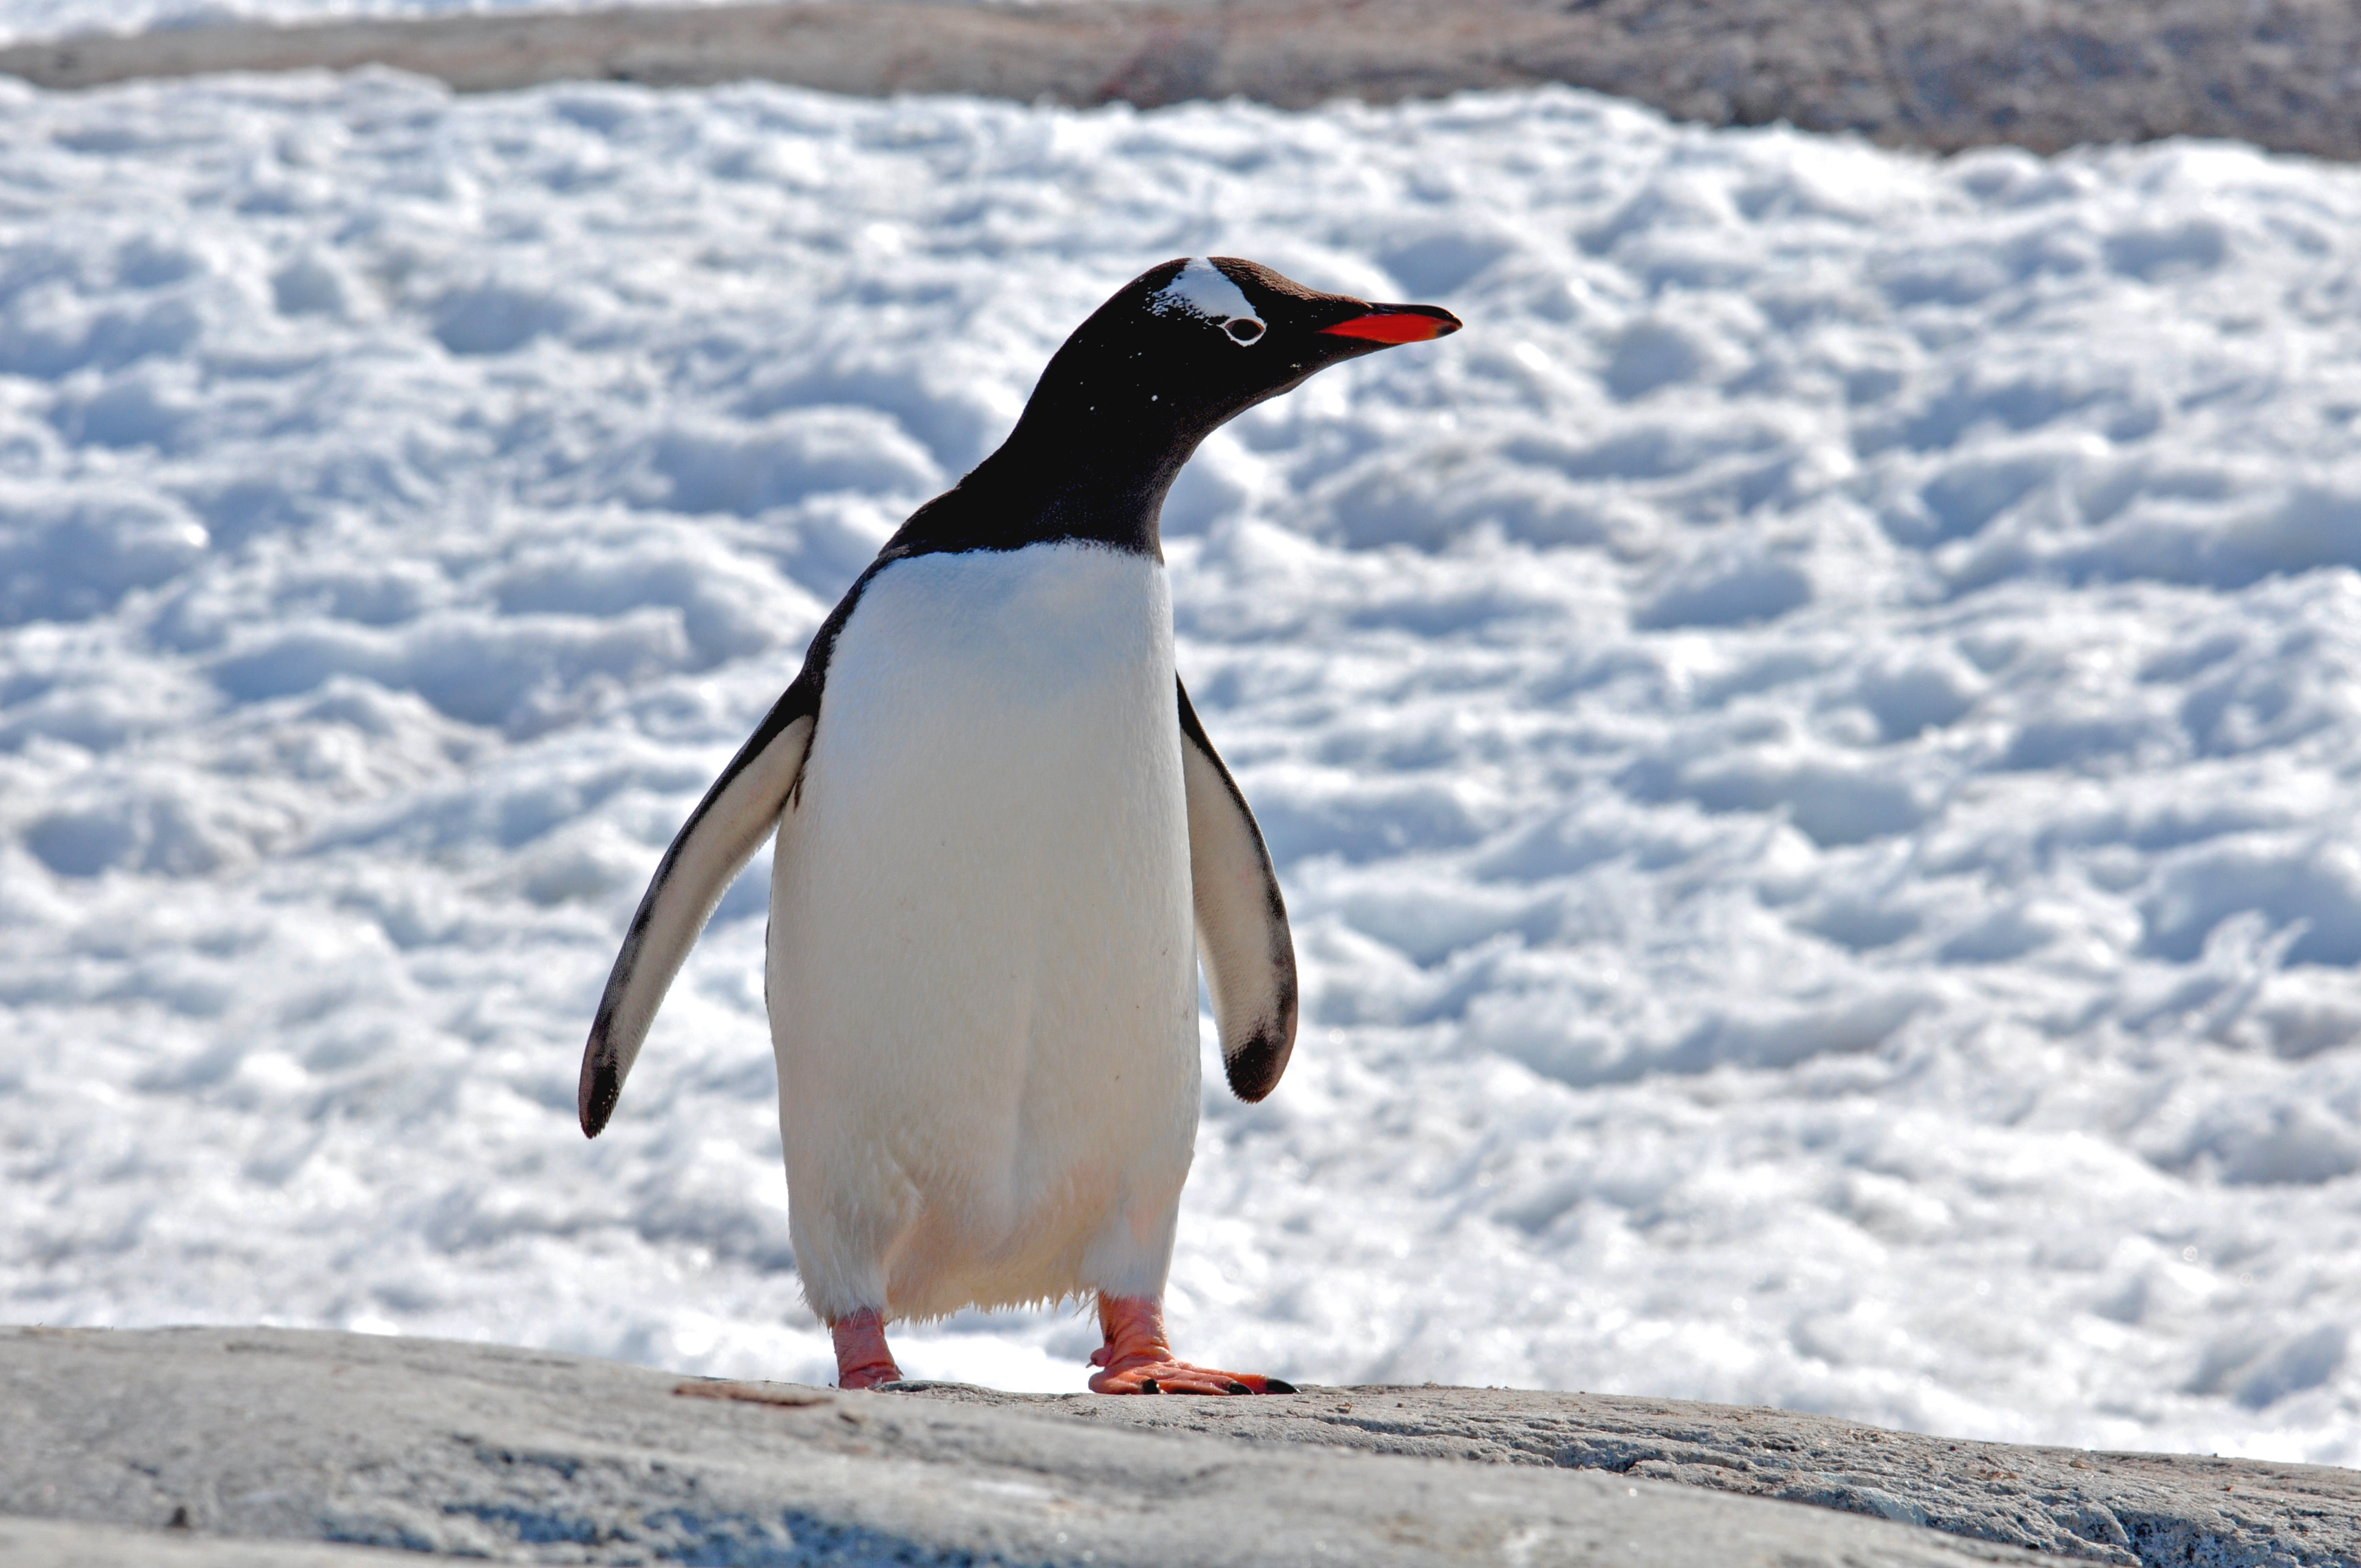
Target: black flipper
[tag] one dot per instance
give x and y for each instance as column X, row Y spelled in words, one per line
column 712, row 847
column 1242, row 934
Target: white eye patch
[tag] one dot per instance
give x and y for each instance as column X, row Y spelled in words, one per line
column 1205, row 292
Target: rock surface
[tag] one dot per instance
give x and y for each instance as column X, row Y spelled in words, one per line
column 218, row 1437
column 2111, row 1508
column 48, row 1544
column 1906, row 73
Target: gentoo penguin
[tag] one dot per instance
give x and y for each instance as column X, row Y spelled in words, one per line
column 998, row 820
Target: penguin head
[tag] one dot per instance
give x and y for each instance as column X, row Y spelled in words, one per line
column 1193, row 343
column 1178, row 351
column 1235, row 333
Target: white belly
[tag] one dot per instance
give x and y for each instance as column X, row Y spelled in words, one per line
column 982, row 968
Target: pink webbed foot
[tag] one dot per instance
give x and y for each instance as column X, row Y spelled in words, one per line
column 1138, row 1359
column 861, row 1359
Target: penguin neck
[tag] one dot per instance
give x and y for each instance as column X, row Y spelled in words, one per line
column 1099, row 480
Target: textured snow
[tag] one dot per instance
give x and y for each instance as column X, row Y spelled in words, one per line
column 1814, row 749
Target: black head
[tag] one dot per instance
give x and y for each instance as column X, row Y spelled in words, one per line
column 1177, row 353
column 1186, row 347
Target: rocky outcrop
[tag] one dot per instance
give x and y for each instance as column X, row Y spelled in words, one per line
column 1904, row 73
column 52, row 1543
column 1901, row 71
column 2109, row 1507
column 184, row 1447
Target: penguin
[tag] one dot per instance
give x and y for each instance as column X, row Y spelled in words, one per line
column 1004, row 845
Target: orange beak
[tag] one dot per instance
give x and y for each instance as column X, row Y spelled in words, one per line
column 1399, row 324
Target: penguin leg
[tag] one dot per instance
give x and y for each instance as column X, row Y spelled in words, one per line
column 861, row 1359
column 1138, row 1359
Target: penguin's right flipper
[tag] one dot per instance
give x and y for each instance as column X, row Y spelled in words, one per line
column 712, row 847
column 1242, row 934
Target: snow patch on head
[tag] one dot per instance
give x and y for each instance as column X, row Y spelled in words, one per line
column 1204, row 290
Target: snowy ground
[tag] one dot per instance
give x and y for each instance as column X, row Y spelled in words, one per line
column 1813, row 748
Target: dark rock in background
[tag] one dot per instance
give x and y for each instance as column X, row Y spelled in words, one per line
column 2044, row 74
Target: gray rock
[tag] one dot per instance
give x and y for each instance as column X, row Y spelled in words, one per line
column 244, row 1434
column 46, row 1543
column 532, row 1457
column 1941, row 74
column 2109, row 1507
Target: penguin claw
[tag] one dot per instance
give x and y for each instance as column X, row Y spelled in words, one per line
column 1180, row 1378
column 1138, row 1359
column 1141, row 1375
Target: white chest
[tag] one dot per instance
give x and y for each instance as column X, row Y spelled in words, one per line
column 983, row 970
column 1047, row 669
column 994, row 794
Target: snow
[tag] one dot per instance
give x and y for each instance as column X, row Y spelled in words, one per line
column 1813, row 749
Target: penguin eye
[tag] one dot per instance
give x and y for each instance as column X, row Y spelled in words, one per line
column 1245, row 329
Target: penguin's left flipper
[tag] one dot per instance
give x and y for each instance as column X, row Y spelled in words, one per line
column 712, row 847
column 1242, row 934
